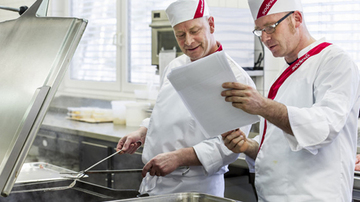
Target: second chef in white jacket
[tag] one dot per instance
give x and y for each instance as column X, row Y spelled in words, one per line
column 307, row 145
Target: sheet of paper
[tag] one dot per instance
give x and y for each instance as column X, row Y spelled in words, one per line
column 199, row 86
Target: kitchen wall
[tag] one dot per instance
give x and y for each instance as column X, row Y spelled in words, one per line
column 58, row 8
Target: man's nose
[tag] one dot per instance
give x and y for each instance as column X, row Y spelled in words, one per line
column 189, row 39
column 264, row 36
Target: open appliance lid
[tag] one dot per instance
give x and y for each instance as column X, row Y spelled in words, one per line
column 34, row 55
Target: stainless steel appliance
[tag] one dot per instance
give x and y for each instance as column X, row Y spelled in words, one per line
column 162, row 36
column 46, row 182
column 178, row 197
column 356, row 187
column 35, row 52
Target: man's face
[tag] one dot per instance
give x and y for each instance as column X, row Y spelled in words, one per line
column 282, row 42
column 195, row 37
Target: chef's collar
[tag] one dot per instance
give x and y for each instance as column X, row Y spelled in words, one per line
column 220, row 48
column 290, row 63
column 311, row 46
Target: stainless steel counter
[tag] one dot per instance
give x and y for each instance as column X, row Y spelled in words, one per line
column 102, row 131
column 107, row 131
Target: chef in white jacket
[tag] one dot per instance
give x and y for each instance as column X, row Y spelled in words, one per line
column 308, row 138
column 178, row 156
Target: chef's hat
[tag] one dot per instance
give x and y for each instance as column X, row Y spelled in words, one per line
column 260, row 8
column 184, row 10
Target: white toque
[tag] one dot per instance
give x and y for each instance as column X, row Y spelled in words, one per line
column 260, row 8
column 184, row 10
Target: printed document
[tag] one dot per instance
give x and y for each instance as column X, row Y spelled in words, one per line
column 199, row 85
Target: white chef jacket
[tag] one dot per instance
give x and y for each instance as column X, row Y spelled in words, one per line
column 171, row 127
column 317, row 163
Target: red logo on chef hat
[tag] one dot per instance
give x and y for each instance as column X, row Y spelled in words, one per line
column 265, row 7
column 200, row 9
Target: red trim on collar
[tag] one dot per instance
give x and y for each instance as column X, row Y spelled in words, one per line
column 220, row 47
column 291, row 69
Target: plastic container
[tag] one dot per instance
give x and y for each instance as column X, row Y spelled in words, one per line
column 80, row 112
column 119, row 111
column 102, row 114
column 136, row 113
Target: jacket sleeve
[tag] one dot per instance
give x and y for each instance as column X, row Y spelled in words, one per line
column 335, row 92
column 214, row 155
column 251, row 162
column 145, row 123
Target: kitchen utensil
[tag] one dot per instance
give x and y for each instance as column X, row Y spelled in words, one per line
column 106, row 171
column 179, row 197
column 48, row 189
column 35, row 53
column 81, row 191
column 82, row 173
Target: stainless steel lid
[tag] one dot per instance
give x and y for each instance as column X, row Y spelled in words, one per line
column 35, row 52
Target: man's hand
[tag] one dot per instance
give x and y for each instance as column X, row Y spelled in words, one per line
column 131, row 142
column 357, row 162
column 162, row 164
column 165, row 163
column 235, row 141
column 244, row 97
column 251, row 101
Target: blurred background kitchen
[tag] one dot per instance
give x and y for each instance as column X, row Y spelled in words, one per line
column 113, row 79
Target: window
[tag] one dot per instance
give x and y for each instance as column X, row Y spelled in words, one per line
column 95, row 65
column 233, row 28
column 95, row 59
column 114, row 54
column 141, row 71
column 115, row 51
column 336, row 20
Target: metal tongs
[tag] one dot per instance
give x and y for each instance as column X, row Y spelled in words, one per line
column 79, row 175
column 83, row 173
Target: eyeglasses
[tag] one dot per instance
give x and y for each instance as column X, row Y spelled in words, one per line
column 271, row 28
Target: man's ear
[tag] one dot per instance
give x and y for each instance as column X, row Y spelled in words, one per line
column 298, row 16
column 211, row 24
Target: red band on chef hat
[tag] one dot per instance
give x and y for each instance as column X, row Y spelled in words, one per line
column 184, row 10
column 265, row 7
column 260, row 8
column 200, row 9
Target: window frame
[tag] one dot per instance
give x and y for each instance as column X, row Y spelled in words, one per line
column 108, row 90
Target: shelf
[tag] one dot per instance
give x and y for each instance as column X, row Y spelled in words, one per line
column 255, row 72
